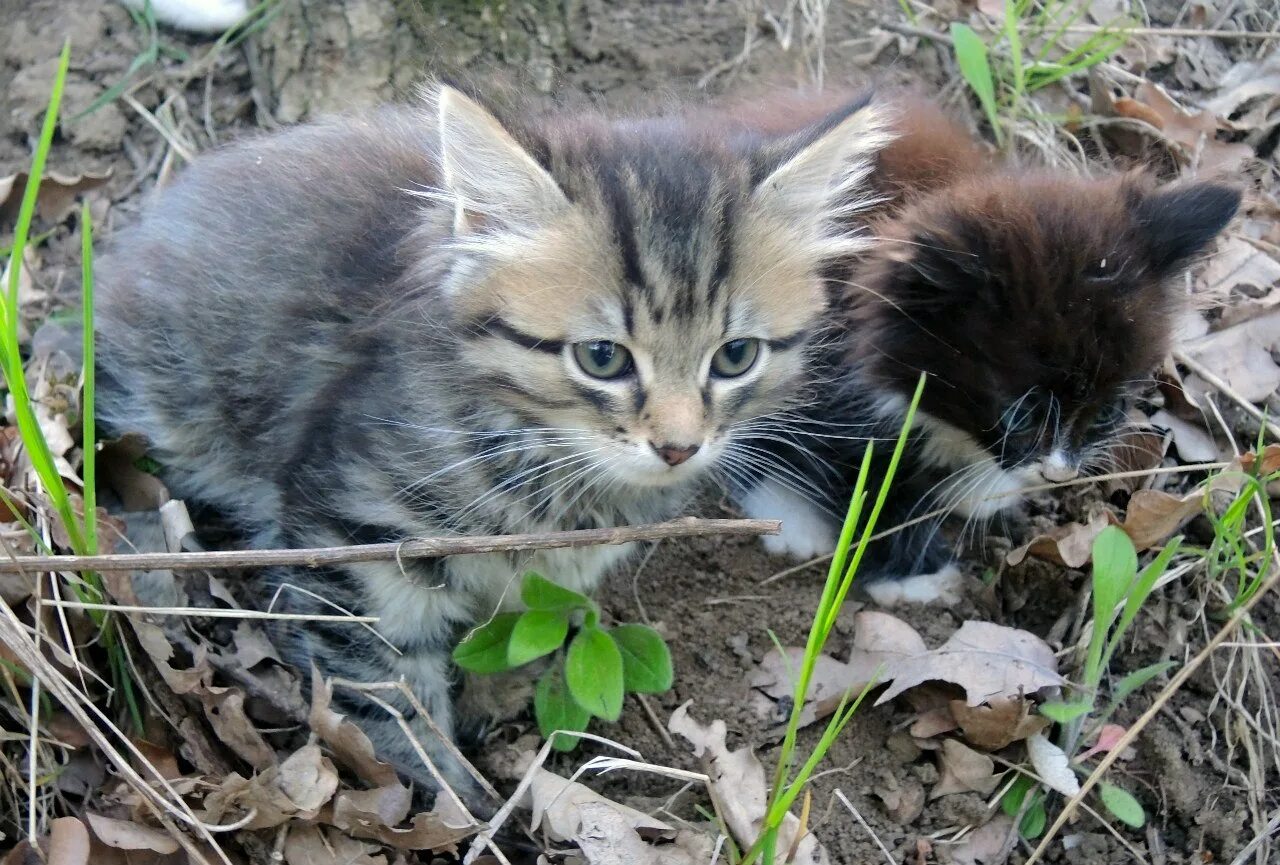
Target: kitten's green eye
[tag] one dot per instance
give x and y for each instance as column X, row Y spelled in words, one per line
column 735, row 357
column 602, row 359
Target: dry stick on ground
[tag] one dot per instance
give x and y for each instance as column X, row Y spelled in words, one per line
column 419, row 548
column 1138, row 726
column 1216, row 381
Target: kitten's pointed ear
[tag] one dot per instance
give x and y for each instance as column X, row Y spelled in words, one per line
column 816, row 175
column 493, row 180
column 1178, row 222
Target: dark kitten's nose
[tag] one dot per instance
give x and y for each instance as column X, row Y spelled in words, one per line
column 673, row 455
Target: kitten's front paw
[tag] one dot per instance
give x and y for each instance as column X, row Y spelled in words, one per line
column 942, row 586
column 806, row 531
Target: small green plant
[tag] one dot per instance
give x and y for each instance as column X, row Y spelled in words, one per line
column 590, row 673
column 1233, row 557
column 1119, row 592
column 80, row 530
column 1005, row 70
column 791, row 780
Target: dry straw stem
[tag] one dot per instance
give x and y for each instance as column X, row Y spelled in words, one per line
column 1138, row 726
column 420, row 548
column 1216, row 381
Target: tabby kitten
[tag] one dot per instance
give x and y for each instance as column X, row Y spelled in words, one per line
column 432, row 321
column 1036, row 302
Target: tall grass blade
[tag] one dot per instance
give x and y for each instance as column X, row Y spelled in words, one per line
column 975, row 66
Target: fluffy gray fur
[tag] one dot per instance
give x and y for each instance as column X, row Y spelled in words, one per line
column 364, row 330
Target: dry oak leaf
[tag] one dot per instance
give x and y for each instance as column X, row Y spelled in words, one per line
column 964, row 770
column 738, row 779
column 998, row 724
column 56, row 198
column 556, row 805
column 989, row 844
column 348, row 743
column 312, row 845
column 988, row 661
column 1070, row 544
column 1242, row 356
column 308, row 778
column 1195, row 132
column 879, row 640
column 123, row 835
column 68, row 842
column 606, row 837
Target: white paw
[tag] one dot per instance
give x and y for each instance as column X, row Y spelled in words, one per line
column 943, row 585
column 807, row 532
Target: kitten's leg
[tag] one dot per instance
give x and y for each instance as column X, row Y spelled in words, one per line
column 807, row 531
column 941, row 586
column 911, row 566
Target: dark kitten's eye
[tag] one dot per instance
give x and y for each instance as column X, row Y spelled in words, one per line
column 735, row 357
column 1103, row 269
column 602, row 359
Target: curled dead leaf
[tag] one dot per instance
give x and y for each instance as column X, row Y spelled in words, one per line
column 879, row 640
column 963, row 770
column 988, row 661
column 56, row 198
column 738, row 779
column 1052, row 765
column 68, row 842
column 308, row 778
column 313, row 845
column 348, row 743
column 989, row 844
column 124, row 835
column 998, row 724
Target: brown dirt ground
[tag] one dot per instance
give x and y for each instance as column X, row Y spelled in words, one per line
column 704, row 594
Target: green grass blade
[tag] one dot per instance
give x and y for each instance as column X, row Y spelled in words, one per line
column 89, row 434
column 975, row 66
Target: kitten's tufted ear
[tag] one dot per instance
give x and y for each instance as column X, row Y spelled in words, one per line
column 815, row 176
column 1178, row 222
column 494, row 181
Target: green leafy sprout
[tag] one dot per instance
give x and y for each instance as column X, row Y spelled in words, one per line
column 1119, row 591
column 590, row 672
column 1003, row 69
column 80, row 531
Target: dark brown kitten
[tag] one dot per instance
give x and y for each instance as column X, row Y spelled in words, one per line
column 1036, row 302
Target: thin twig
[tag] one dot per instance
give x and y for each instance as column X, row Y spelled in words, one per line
column 1220, row 384
column 208, row 613
column 863, row 823
column 419, row 548
column 1174, row 31
column 1138, row 726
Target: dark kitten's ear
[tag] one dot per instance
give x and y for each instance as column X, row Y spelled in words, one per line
column 1178, row 222
column 493, row 180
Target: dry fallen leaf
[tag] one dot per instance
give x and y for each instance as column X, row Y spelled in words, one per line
column 739, row 781
column 56, row 198
column 989, row 844
column 308, row 778
column 124, row 835
column 988, row 661
column 312, row 845
column 1052, row 765
column 1193, row 442
column 606, row 837
column 556, row 804
column 879, row 640
column 998, row 724
column 964, row 770
column 1241, row 355
column 68, row 842
column 1070, row 544
column 348, row 743
column 1194, row 132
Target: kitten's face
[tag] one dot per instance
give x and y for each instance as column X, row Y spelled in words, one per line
column 662, row 291
column 1037, row 306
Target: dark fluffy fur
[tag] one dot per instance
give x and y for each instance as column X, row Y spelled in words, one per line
column 1036, row 302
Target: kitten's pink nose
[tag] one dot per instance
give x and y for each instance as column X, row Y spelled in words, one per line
column 674, row 455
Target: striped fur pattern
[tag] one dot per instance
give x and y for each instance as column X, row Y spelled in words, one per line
column 375, row 328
